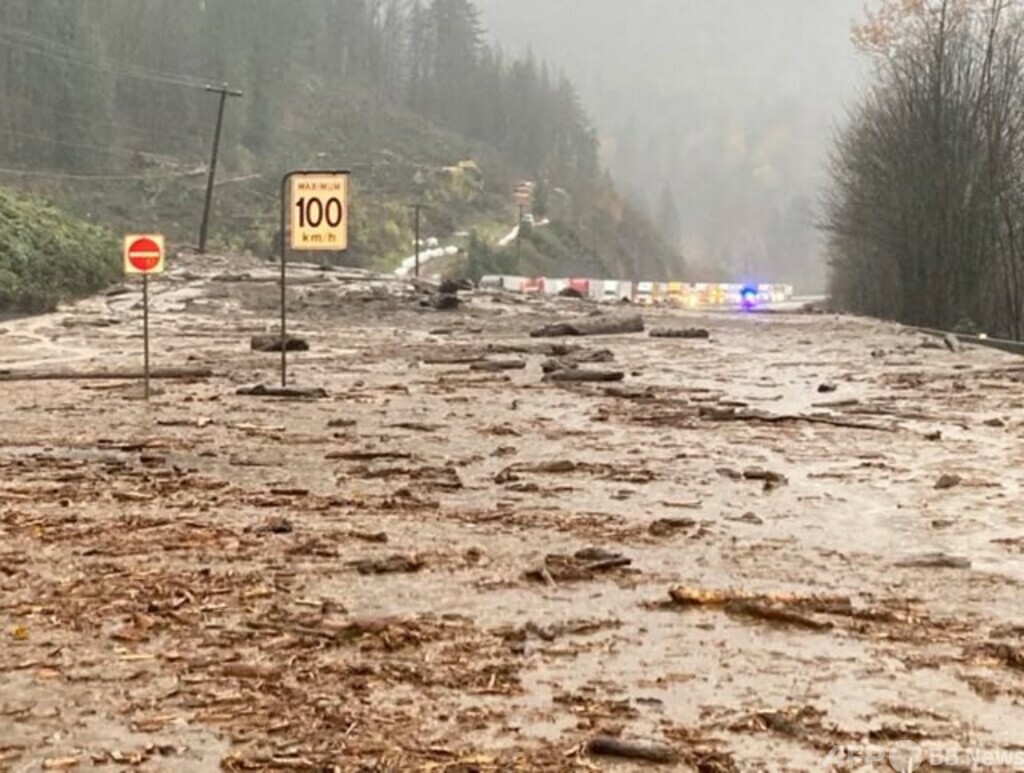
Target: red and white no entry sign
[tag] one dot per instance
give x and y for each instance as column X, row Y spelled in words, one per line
column 144, row 254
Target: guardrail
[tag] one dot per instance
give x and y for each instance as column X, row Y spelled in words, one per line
column 1001, row 344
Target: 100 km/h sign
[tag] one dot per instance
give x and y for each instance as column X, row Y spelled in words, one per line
column 319, row 211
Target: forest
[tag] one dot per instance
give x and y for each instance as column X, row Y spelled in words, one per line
column 925, row 213
column 81, row 76
column 107, row 113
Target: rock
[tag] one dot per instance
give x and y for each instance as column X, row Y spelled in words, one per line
column 572, row 360
column 933, row 436
column 571, row 292
column 452, row 286
column 692, row 333
column 552, row 366
column 276, row 525
column 824, row 389
column 444, row 302
column 952, row 343
column 273, row 343
column 948, row 482
column 666, row 527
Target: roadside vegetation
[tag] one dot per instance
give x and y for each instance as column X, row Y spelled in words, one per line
column 925, row 218
column 47, row 257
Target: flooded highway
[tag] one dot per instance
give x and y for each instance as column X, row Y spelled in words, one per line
column 800, row 533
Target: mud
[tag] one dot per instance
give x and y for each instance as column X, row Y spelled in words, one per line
column 443, row 566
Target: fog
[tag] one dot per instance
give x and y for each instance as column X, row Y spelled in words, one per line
column 727, row 107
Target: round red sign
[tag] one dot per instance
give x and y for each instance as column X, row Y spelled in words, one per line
column 144, row 255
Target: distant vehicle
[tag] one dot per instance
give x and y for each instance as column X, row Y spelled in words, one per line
column 433, row 244
column 610, row 292
column 582, row 286
column 555, row 286
column 645, row 293
column 528, row 219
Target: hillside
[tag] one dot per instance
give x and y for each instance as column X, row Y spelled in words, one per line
column 722, row 123
column 110, row 119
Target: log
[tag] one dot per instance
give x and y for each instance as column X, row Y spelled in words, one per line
column 262, row 390
column 161, row 374
column 581, row 376
column 691, row 333
column 772, row 614
column 592, row 326
column 605, row 746
column 273, row 343
column 494, row 366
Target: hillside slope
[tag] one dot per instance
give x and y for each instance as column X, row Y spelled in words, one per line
column 409, row 99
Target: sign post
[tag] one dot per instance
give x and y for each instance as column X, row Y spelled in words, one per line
column 144, row 256
column 314, row 217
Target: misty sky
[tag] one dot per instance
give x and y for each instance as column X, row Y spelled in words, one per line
column 731, row 103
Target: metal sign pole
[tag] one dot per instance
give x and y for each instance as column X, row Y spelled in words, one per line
column 145, row 332
column 285, row 204
column 311, row 229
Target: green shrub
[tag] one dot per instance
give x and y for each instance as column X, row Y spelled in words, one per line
column 47, row 257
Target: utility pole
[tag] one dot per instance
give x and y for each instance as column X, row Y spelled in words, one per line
column 224, row 93
column 417, row 208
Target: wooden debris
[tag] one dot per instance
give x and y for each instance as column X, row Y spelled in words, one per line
column 606, row 746
column 366, row 456
column 691, row 333
column 494, row 366
column 774, row 614
column 772, row 480
column 584, row 376
column 935, row 561
column 301, row 393
column 274, row 343
column 396, row 564
column 159, row 374
column 582, row 566
column 592, row 326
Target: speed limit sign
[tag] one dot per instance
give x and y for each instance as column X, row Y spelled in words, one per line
column 319, row 211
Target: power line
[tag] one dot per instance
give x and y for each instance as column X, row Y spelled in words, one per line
column 94, row 177
column 34, row 44
column 72, row 52
column 96, row 148
column 113, row 122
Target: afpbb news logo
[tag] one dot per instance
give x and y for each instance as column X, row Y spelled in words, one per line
column 908, row 757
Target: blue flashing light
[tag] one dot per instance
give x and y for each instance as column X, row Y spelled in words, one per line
column 748, row 297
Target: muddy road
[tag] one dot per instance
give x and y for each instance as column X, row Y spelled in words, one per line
column 803, row 533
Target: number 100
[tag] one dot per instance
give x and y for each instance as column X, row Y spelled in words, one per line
column 314, row 212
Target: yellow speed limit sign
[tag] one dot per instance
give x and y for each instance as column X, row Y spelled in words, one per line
column 319, row 211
